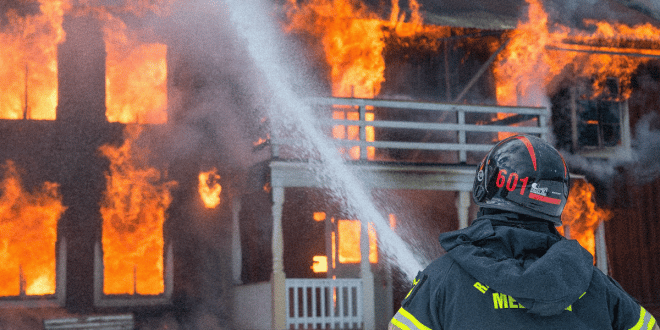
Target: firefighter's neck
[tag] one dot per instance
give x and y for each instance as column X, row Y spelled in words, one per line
column 512, row 219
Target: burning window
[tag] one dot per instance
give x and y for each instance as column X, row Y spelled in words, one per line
column 136, row 77
column 133, row 211
column 28, row 236
column 348, row 242
column 28, row 62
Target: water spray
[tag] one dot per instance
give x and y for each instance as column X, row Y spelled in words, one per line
column 288, row 111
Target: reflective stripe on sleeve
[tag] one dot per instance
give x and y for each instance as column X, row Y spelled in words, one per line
column 406, row 321
column 646, row 321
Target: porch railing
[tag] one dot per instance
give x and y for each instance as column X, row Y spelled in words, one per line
column 323, row 303
column 369, row 124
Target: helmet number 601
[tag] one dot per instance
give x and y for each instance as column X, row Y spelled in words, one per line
column 511, row 181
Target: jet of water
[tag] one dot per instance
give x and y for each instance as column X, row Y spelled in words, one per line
column 288, row 111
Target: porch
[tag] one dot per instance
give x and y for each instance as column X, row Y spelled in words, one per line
column 438, row 152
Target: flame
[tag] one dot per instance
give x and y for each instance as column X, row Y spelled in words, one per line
column 352, row 132
column 536, row 56
column 209, row 188
column 353, row 39
column 28, row 62
column 348, row 246
column 136, row 75
column 133, row 211
column 582, row 216
column 136, row 72
column 320, row 264
column 28, row 233
column 319, row 216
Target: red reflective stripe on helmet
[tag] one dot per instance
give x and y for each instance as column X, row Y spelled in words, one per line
column 545, row 199
column 530, row 148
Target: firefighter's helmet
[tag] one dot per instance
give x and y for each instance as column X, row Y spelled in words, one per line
column 523, row 174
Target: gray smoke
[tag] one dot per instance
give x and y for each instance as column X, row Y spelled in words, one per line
column 640, row 165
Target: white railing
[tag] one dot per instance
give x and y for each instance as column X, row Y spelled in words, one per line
column 421, row 126
column 323, row 303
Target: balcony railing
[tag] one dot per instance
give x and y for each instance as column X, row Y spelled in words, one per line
column 388, row 130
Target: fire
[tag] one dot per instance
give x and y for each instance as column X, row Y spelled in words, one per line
column 28, row 62
column 348, row 246
column 28, row 233
column 582, row 216
column 136, row 71
column 353, row 40
column 320, row 264
column 352, row 132
column 136, row 77
column 537, row 55
column 133, row 211
column 209, row 188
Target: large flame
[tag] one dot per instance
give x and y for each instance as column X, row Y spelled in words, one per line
column 136, row 76
column 133, row 211
column 136, row 71
column 353, row 39
column 539, row 52
column 28, row 233
column 28, row 62
column 582, row 216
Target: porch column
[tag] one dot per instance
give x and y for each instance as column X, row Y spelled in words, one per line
column 236, row 253
column 601, row 248
column 368, row 304
column 278, row 278
column 463, row 207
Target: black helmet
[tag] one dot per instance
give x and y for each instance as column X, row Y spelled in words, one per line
column 523, row 174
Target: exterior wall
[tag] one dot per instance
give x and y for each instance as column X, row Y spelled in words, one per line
column 252, row 306
column 632, row 243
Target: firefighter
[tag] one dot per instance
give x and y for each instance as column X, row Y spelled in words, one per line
column 511, row 269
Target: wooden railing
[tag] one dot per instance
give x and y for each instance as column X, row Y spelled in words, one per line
column 362, row 126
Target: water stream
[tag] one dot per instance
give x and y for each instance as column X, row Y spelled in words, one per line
column 288, row 111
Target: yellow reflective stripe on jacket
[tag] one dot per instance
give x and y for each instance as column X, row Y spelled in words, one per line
column 407, row 321
column 646, row 321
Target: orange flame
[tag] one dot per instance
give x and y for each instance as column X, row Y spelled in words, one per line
column 28, row 62
column 28, row 233
column 209, row 188
column 353, row 40
column 319, row 264
column 536, row 56
column 133, row 211
column 348, row 246
column 136, row 76
column 582, row 216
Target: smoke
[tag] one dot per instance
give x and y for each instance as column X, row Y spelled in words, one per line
column 639, row 165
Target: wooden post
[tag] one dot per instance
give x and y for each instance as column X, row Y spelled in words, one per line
column 236, row 252
column 601, row 248
column 368, row 304
column 463, row 206
column 278, row 277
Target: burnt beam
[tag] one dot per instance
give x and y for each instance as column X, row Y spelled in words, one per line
column 606, row 50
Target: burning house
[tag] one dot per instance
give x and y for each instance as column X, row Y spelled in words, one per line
column 151, row 177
